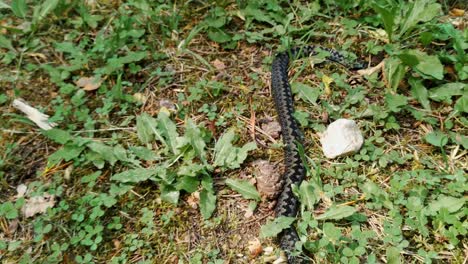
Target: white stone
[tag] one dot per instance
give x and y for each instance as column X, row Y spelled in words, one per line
column 341, row 137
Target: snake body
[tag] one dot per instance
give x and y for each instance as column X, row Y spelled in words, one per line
column 287, row 204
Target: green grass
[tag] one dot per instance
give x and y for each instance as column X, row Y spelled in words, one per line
column 156, row 163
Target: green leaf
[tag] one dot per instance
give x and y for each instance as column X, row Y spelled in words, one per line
column 146, row 128
column 337, row 212
column 437, row 138
column 19, row 8
column 143, row 153
column 273, row 228
column 388, row 14
column 136, row 175
column 168, row 130
column 106, row 152
column 6, row 43
column 418, row 11
column 393, row 255
column 58, row 135
column 395, row 71
column 308, row 195
column 331, row 231
column 67, row 153
column 305, row 92
column 447, row 91
column 452, row 204
column 188, row 183
column 395, row 102
column 245, row 188
column 218, row 35
column 462, row 104
column 429, row 66
column 419, row 92
column 207, row 197
column 8, row 210
column 43, row 10
column 229, row 156
column 169, row 194
column 117, row 63
column 193, row 134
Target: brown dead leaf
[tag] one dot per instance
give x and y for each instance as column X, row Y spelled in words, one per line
column 89, row 83
column 272, row 128
column 38, row 205
column 219, row 65
column 268, row 179
column 457, row 12
column 255, row 248
column 193, row 200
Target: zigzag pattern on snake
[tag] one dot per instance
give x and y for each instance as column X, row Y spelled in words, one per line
column 287, row 204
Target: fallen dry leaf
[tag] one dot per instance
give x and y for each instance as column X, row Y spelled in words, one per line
column 272, row 128
column 268, row 179
column 219, row 65
column 193, row 200
column 255, row 248
column 38, row 205
column 89, row 83
column 457, row 12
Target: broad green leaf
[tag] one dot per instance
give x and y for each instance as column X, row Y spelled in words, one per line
column 117, row 63
column 462, row 104
column 229, row 156
column 394, row 71
column 143, row 153
column 459, row 139
column 136, row 175
column 169, row 194
column 19, row 8
column 395, row 102
column 194, row 137
column 6, row 43
column 388, row 14
column 106, row 152
column 168, row 130
column 245, row 188
column 428, row 65
column 452, row 204
column 393, row 255
column 44, row 9
column 308, row 195
column 67, row 153
column 337, row 212
column 305, row 92
column 8, row 210
column 419, row 92
column 331, row 232
column 446, row 91
column 58, row 135
column 273, row 228
column 437, row 138
column 188, row 184
column 418, row 11
column 207, row 197
column 218, row 35
column 146, row 128
column 207, row 203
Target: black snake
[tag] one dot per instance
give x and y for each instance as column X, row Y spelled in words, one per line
column 287, row 204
